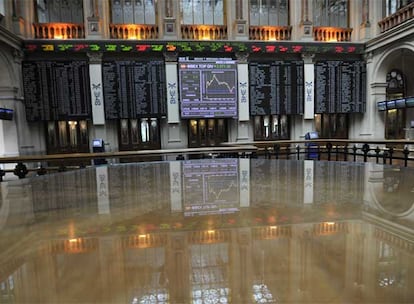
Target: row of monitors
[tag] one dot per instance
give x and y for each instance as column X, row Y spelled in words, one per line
column 396, row 104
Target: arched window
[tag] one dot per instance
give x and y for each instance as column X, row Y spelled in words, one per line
column 269, row 12
column 330, row 13
column 395, row 118
column 208, row 12
column 133, row 11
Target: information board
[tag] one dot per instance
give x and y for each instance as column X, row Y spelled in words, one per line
column 340, row 86
column 134, row 89
column 208, row 87
column 56, row 90
column 276, row 87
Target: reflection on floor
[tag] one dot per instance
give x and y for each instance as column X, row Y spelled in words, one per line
column 210, row 231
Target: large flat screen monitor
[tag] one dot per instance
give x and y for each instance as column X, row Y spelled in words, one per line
column 208, row 87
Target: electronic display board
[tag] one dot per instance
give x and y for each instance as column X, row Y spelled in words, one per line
column 276, row 87
column 208, row 87
column 340, row 86
column 211, row 186
column 382, row 105
column 134, row 89
column 56, row 90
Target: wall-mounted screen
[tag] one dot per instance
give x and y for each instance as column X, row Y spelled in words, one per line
column 409, row 102
column 6, row 114
column 382, row 105
column 400, row 103
column 208, row 87
column 390, row 104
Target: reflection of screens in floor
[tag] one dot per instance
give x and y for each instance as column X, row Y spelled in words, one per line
column 211, row 187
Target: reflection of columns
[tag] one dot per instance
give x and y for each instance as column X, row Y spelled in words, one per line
column 112, row 265
column 354, row 260
column 241, row 257
column 177, row 268
column 300, row 254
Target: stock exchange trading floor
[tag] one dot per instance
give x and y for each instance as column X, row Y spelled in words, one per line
column 210, row 231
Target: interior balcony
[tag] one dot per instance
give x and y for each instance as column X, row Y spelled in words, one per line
column 332, row 34
column 400, row 16
column 133, row 31
column 270, row 32
column 203, row 32
column 57, row 30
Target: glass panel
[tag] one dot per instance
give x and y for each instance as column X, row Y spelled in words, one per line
column 221, row 130
column 144, row 130
column 124, row 132
column 198, row 12
column 73, row 134
column 149, row 12
column 51, row 134
column 128, row 12
column 208, row 11
column 63, row 135
column 263, row 13
column 193, row 127
column 117, row 12
column 203, row 131
column 139, row 13
column 254, row 12
column 318, row 124
column 154, row 130
column 266, row 125
column 258, row 127
column 83, row 128
column 275, row 126
column 218, row 12
column 134, row 131
column 284, row 128
column 186, row 12
column 211, row 132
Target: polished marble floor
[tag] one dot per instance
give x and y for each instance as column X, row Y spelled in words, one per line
column 210, row 231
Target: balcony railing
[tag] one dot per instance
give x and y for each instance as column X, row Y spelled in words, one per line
column 133, row 31
column 203, row 32
column 397, row 18
column 326, row 34
column 270, row 32
column 58, row 31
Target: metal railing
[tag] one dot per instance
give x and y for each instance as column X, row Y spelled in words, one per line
column 390, row 152
column 43, row 164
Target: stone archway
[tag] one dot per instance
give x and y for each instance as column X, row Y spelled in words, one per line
column 399, row 57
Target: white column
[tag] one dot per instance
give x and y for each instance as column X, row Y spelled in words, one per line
column 243, row 97
column 9, row 144
column 95, row 74
column 172, row 92
column 309, row 77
